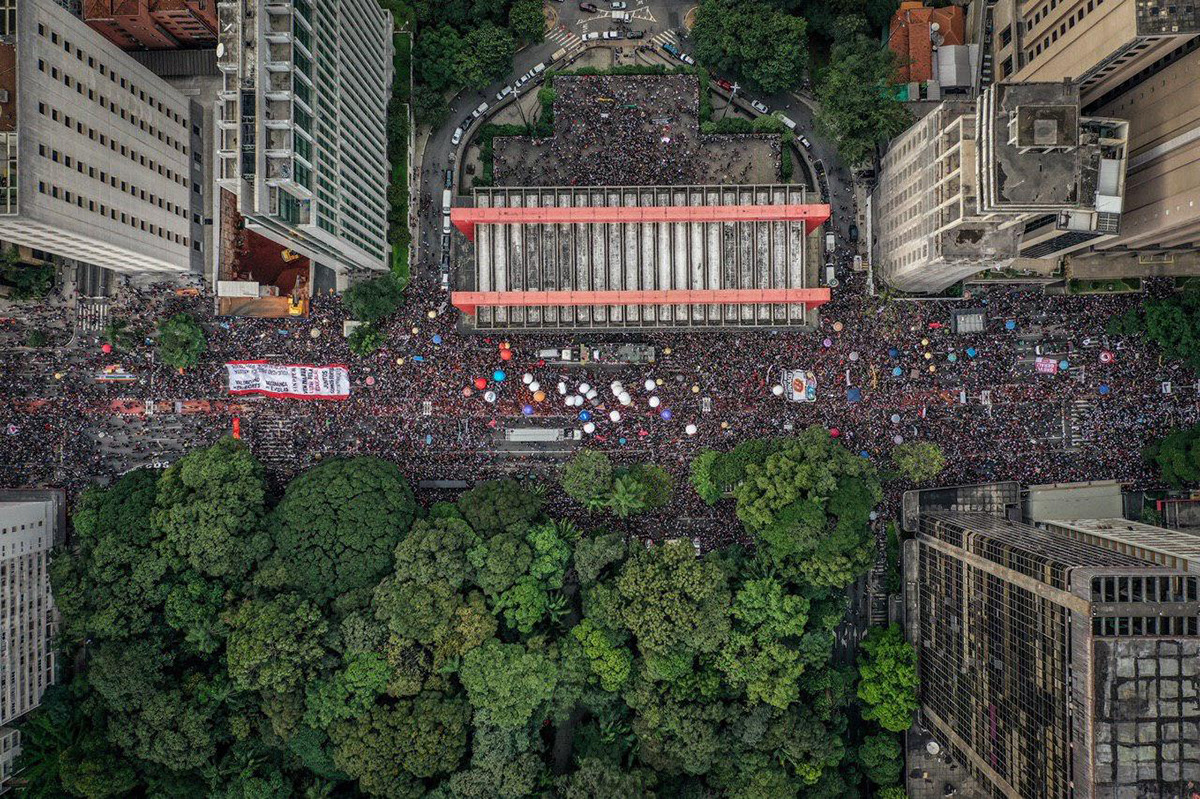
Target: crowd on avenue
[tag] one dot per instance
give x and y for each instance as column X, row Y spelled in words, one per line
column 884, row 372
column 623, row 130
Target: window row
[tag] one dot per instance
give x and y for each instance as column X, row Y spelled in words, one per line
column 73, row 198
column 111, row 74
column 111, row 180
column 112, row 107
column 112, row 144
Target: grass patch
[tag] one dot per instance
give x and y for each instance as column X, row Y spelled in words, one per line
column 1126, row 285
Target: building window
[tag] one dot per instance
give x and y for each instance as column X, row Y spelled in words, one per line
column 1006, row 36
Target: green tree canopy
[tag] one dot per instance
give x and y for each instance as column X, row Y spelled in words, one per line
column 881, row 758
column 856, row 91
column 527, row 22
column 507, row 683
column 919, row 461
column 275, row 645
column 887, row 685
column 1177, row 456
column 761, row 45
column 336, row 527
column 587, row 476
column 181, row 341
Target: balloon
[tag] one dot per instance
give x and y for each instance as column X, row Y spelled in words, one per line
column 777, row 391
column 649, row 384
column 665, row 413
column 562, row 388
column 498, row 376
column 437, row 339
column 585, row 416
column 467, row 391
column 895, row 418
column 480, row 383
column 837, row 327
column 615, row 416
column 527, row 378
column 589, row 428
column 527, row 410
column 107, row 348
column 535, row 386
column 592, row 394
column 490, row 396
column 834, row 432
column 370, row 381
column 506, row 355
column 897, row 372
column 690, row 429
column 854, row 356
column 654, row 402
column 827, row 342
column 584, row 388
column 897, row 439
column 624, row 398
column 539, row 396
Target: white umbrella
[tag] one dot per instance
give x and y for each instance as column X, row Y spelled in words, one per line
column 624, row 398
column 777, row 390
column 615, row 416
column 655, row 402
column 650, row 385
column 562, row 387
column 569, row 400
column 592, row 394
column 690, row 429
column 584, row 388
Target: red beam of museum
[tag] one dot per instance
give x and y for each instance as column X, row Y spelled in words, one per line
column 469, row 301
column 465, row 219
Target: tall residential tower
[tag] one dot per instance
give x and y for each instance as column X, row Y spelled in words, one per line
column 301, row 140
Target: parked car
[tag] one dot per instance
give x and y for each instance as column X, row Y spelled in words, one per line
column 505, row 92
column 612, row 34
column 588, row 7
column 478, row 112
column 830, row 242
column 446, row 244
column 619, row 5
column 787, row 121
column 634, row 34
column 853, row 233
column 448, row 179
column 758, row 106
column 670, row 48
column 724, row 84
column 687, row 59
column 457, row 137
column 622, row 17
column 805, row 143
column 590, row 37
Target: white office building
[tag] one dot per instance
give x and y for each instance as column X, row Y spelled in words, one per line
column 301, row 143
column 97, row 157
column 27, row 615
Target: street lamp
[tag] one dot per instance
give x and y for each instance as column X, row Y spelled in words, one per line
column 732, row 94
column 521, row 111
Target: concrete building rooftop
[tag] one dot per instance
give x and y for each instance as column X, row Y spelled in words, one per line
column 1041, row 163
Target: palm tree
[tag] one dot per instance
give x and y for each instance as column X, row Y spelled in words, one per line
column 628, row 497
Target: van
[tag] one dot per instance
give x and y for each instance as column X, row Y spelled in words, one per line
column 830, row 275
column 446, row 221
column 539, row 68
column 480, row 110
column 830, row 242
column 622, row 17
column 447, row 199
column 787, row 121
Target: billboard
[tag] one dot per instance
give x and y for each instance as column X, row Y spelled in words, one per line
column 801, row 385
column 289, row 381
column 1046, row 366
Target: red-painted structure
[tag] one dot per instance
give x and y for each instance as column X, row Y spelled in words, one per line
column 469, row 301
column 465, row 219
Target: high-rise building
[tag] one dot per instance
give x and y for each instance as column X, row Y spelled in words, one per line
column 98, row 157
column 1136, row 60
column 1051, row 666
column 301, row 140
column 1019, row 173
column 154, row 24
column 28, row 528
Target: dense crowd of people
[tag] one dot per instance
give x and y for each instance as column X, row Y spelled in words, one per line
column 415, row 401
column 630, row 130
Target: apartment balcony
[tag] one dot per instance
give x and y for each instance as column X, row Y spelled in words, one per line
column 279, row 143
column 275, row 7
column 279, row 58
column 279, row 29
column 279, row 170
column 227, row 142
column 278, row 115
column 278, row 86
